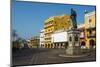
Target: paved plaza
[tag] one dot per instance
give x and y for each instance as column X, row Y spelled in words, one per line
column 47, row 56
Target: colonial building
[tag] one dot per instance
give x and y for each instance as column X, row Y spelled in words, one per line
column 53, row 24
column 34, row 42
column 90, row 26
column 41, row 45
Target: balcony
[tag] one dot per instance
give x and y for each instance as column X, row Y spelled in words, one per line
column 93, row 28
column 91, row 32
column 91, row 35
column 50, row 32
column 82, row 37
column 47, row 26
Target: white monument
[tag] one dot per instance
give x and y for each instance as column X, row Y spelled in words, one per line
column 73, row 42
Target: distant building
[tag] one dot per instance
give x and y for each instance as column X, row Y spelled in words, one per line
column 28, row 43
column 42, row 44
column 53, row 24
column 34, row 42
column 90, row 26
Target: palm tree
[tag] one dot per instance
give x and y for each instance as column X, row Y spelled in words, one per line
column 15, row 42
column 14, row 35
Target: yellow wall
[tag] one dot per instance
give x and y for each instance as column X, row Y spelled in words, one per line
column 62, row 22
column 92, row 17
column 89, row 16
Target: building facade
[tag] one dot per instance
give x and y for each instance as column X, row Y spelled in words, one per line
column 53, row 24
column 48, row 30
column 34, row 42
column 41, row 45
column 90, row 29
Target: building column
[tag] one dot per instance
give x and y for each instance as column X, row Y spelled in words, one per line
column 56, row 45
column 51, row 45
column 59, row 45
column 63, row 45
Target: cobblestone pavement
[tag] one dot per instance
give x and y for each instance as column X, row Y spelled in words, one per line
column 46, row 56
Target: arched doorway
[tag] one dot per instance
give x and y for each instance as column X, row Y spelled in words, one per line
column 42, row 45
column 66, row 45
column 61, row 45
column 92, row 43
column 45, row 45
column 48, row 46
column 83, row 43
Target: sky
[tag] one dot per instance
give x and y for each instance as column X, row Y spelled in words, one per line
column 28, row 17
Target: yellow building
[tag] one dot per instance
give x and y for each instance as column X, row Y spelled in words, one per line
column 53, row 24
column 90, row 29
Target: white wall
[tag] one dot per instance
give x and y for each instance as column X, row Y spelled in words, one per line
column 59, row 37
column 41, row 37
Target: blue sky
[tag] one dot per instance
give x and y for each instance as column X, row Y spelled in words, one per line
column 28, row 17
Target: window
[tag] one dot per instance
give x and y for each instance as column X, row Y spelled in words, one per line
column 62, row 26
column 55, row 22
column 90, row 32
column 76, row 38
column 89, row 24
column 49, row 30
column 70, row 38
column 68, row 21
column 90, row 20
column 55, row 28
